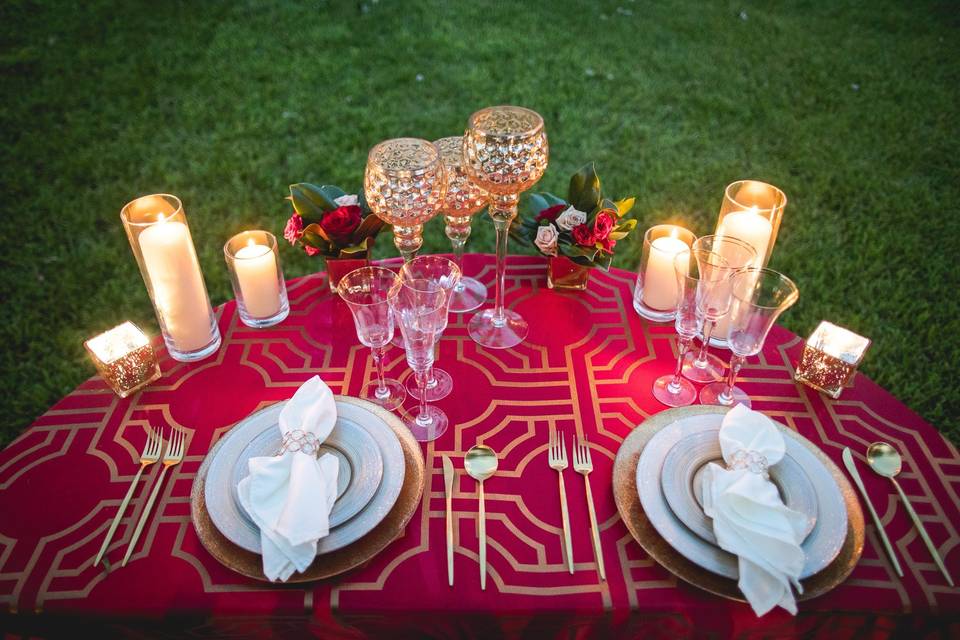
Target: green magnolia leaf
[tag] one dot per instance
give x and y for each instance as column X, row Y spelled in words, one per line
column 584, row 192
column 362, row 201
column 303, row 205
column 626, row 226
column 369, row 227
column 361, row 247
column 316, row 230
column 617, row 235
column 322, row 196
column 553, row 200
column 624, row 206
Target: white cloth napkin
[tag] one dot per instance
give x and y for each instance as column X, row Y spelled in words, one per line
column 749, row 518
column 290, row 496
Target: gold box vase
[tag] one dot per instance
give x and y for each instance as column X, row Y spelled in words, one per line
column 564, row 273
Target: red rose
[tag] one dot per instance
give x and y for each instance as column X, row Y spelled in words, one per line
column 583, row 235
column 294, row 229
column 342, row 221
column 607, row 244
column 310, row 251
column 550, row 214
column 603, row 225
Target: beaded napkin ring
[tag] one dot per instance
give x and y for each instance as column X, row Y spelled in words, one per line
column 299, row 440
column 751, row 460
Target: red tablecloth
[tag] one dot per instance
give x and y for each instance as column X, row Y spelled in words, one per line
column 587, row 366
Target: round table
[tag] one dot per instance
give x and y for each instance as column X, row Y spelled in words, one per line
column 587, row 367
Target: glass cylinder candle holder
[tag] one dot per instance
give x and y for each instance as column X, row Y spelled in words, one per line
column 257, row 278
column 124, row 358
column 655, row 294
column 751, row 211
column 156, row 227
column 830, row 357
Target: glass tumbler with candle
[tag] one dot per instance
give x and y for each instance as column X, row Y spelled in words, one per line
column 156, row 227
column 702, row 366
column 655, row 294
column 254, row 266
column 751, row 211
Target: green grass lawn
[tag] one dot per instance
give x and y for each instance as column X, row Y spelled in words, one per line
column 850, row 107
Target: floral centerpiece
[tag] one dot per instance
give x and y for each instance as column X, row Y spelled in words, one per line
column 576, row 234
column 328, row 221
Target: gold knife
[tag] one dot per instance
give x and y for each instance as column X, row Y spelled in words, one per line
column 852, row 468
column 448, row 489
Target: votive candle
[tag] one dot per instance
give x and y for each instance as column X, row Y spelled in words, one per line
column 254, row 265
column 124, row 358
column 656, row 291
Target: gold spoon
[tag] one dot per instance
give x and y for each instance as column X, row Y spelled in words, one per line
column 481, row 463
column 885, row 460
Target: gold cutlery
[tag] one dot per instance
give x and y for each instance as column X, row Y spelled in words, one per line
column 557, row 458
column 150, row 455
column 885, row 460
column 448, row 490
column 583, row 465
column 172, row 456
column 481, row 463
column 852, row 468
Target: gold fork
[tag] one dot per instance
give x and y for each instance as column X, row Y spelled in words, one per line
column 583, row 465
column 150, row 455
column 557, row 457
column 173, row 456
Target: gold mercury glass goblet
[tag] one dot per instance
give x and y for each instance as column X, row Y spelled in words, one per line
column 505, row 151
column 405, row 184
column 464, row 198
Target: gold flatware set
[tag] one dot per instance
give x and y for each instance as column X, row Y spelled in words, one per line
column 151, row 454
column 886, row 462
column 582, row 464
column 480, row 463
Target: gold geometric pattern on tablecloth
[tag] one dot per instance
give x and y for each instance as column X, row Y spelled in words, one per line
column 590, row 375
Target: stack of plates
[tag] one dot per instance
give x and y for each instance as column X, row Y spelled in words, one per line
column 658, row 485
column 378, row 488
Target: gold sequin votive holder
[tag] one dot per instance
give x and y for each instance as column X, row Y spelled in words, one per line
column 124, row 358
column 830, row 358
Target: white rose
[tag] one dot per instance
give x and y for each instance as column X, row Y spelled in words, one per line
column 347, row 200
column 547, row 239
column 571, row 218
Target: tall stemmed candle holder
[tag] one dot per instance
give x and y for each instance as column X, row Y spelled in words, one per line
column 655, row 293
column 505, row 151
column 463, row 199
column 405, row 185
column 156, row 226
column 254, row 266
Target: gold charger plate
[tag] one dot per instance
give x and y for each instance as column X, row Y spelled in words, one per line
column 628, row 504
column 336, row 562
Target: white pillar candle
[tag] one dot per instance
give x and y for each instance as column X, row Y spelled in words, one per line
column 178, row 291
column 660, row 284
column 256, row 269
column 751, row 227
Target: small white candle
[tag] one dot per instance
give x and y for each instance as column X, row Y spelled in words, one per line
column 660, row 285
column 256, row 269
column 171, row 262
column 752, row 228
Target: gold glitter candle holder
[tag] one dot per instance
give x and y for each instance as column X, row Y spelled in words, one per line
column 830, row 358
column 124, row 358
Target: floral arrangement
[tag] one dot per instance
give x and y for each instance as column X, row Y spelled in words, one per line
column 584, row 228
column 328, row 221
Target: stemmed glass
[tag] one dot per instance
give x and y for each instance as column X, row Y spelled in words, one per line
column 759, row 297
column 404, row 184
column 439, row 270
column 463, row 199
column 420, row 307
column 699, row 274
column 505, row 151
column 366, row 292
column 702, row 366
